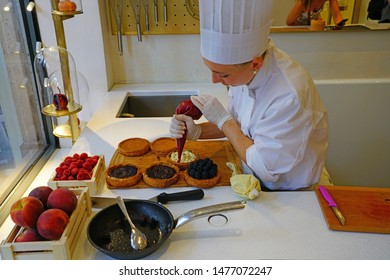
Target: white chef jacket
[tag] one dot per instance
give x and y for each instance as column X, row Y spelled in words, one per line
column 282, row 112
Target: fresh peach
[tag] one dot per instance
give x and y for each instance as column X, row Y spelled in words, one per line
column 62, row 198
column 42, row 193
column 29, row 235
column 25, row 211
column 52, row 223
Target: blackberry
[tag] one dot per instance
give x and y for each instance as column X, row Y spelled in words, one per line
column 203, row 169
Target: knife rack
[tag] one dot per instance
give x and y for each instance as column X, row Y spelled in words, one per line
column 180, row 20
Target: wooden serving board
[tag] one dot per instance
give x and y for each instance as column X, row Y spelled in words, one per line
column 218, row 151
column 366, row 209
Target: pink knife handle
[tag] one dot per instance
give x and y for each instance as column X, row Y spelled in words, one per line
column 327, row 197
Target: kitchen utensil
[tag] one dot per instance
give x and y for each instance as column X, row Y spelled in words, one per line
column 136, row 6
column 117, row 11
column 146, row 8
column 108, row 232
column 102, row 202
column 366, row 209
column 138, row 240
column 332, row 204
column 155, row 8
column 165, row 11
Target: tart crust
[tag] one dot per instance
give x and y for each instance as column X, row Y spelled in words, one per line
column 163, row 146
column 181, row 165
column 134, row 147
column 127, row 182
column 161, row 183
column 202, row 183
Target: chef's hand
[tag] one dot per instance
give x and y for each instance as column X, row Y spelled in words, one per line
column 180, row 123
column 212, row 109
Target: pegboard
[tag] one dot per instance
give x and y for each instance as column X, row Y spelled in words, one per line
column 182, row 17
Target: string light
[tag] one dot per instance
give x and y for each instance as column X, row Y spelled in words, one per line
column 7, row 7
column 30, row 6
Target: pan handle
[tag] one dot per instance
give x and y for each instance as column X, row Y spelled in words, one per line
column 209, row 210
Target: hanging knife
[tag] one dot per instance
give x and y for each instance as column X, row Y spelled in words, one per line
column 163, row 198
column 332, row 204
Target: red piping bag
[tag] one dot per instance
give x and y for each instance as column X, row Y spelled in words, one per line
column 186, row 107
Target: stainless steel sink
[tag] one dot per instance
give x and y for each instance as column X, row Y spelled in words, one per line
column 152, row 104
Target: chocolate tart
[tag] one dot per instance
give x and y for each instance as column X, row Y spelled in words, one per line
column 182, row 164
column 161, row 175
column 163, row 146
column 134, row 147
column 123, row 175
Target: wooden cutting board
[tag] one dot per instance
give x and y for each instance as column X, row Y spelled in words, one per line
column 218, row 151
column 366, row 209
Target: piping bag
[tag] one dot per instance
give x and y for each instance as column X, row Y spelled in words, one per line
column 245, row 185
column 186, row 107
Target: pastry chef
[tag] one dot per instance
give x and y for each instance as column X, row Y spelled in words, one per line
column 275, row 118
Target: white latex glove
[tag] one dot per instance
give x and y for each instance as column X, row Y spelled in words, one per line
column 180, row 123
column 212, row 109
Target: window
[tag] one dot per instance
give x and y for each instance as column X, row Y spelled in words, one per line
column 25, row 138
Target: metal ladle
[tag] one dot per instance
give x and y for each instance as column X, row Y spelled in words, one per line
column 138, row 240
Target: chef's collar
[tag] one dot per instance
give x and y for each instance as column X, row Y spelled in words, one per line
column 261, row 76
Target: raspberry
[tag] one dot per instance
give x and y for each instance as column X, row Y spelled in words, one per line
column 78, row 166
column 87, row 166
column 83, row 155
column 80, row 163
column 74, row 171
column 59, row 170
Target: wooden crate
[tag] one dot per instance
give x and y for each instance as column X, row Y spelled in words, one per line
column 94, row 185
column 62, row 249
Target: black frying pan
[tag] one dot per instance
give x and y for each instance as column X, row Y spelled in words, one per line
column 109, row 232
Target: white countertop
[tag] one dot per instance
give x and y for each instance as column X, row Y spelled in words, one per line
column 276, row 225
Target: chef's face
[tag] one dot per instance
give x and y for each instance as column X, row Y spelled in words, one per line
column 231, row 75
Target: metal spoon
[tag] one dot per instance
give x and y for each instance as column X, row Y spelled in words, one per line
column 138, row 240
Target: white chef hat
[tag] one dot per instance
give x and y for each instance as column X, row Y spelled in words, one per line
column 234, row 31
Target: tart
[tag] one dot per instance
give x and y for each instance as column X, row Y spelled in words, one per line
column 134, row 147
column 202, row 173
column 187, row 157
column 161, row 175
column 163, row 146
column 123, row 175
